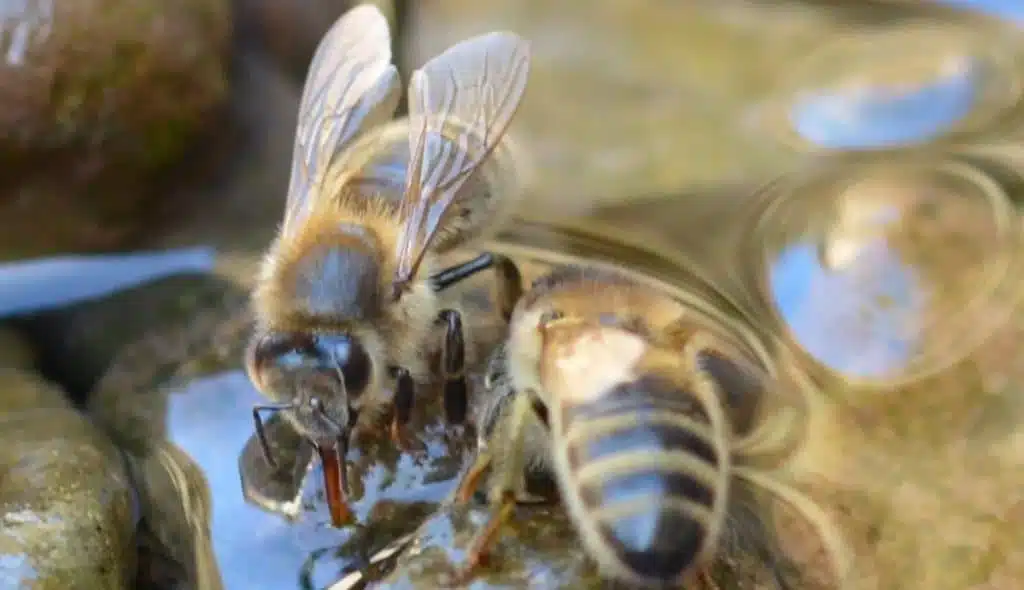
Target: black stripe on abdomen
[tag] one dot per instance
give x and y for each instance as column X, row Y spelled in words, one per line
column 652, row 515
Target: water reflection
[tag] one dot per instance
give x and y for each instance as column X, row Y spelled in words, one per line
column 896, row 87
column 878, row 304
column 211, row 421
column 1010, row 10
column 392, row 492
column 35, row 285
column 873, row 117
column 885, row 270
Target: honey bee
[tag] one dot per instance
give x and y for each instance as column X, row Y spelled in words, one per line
column 347, row 297
column 644, row 414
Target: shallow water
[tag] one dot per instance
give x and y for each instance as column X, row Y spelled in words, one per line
column 33, row 286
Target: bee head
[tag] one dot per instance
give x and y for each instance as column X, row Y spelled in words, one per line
column 320, row 375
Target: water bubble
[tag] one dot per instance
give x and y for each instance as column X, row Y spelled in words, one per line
column 896, row 87
column 884, row 271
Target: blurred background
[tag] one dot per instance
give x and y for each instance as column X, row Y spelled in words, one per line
column 844, row 179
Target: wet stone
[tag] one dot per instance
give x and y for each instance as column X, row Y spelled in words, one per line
column 673, row 99
column 77, row 344
column 15, row 351
column 67, row 506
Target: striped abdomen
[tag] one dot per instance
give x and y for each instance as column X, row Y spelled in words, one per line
column 645, row 478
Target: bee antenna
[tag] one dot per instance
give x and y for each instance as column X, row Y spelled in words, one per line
column 261, row 433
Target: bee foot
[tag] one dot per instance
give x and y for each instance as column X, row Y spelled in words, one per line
column 479, row 553
column 400, row 437
column 462, row 577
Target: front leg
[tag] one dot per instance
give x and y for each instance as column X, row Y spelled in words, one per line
column 405, row 391
column 453, row 368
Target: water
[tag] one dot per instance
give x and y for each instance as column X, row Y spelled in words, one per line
column 1010, row 10
column 211, row 420
column 866, row 117
column 36, row 285
column 896, row 87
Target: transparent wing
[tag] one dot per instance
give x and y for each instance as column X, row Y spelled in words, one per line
column 351, row 85
column 460, row 104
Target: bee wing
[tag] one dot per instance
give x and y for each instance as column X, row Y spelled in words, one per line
column 351, row 85
column 460, row 104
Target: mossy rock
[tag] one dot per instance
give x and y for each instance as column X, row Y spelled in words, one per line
column 98, row 98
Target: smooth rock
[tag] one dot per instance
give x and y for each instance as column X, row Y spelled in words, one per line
column 77, row 344
column 103, row 97
column 15, row 351
column 67, row 506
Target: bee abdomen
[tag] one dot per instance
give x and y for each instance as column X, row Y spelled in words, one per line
column 645, row 470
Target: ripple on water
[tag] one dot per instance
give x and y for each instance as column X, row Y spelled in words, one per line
column 884, row 270
column 893, row 87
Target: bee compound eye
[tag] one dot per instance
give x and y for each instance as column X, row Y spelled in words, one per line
column 349, row 356
column 269, row 353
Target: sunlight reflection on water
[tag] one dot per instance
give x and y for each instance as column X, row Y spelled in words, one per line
column 1010, row 10
column 828, row 311
column 46, row 283
column 875, row 117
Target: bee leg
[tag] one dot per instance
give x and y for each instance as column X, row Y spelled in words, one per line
column 504, row 504
column 510, row 285
column 405, row 390
column 479, row 552
column 471, row 480
column 261, row 432
column 509, row 280
column 453, row 364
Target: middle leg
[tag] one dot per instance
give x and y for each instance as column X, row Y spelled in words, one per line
column 453, row 368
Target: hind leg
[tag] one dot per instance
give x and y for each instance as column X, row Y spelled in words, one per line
column 502, row 493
